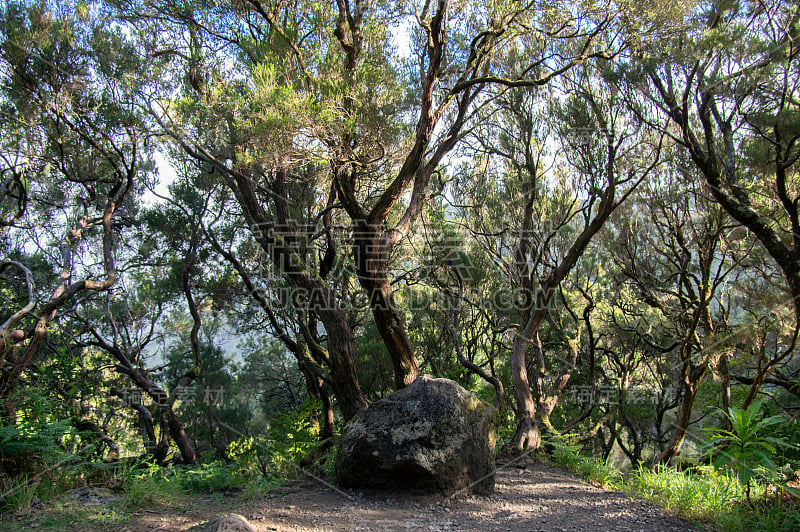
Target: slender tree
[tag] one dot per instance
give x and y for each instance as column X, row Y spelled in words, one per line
column 72, row 154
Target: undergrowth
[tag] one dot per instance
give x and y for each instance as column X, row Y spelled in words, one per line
column 713, row 499
column 251, row 467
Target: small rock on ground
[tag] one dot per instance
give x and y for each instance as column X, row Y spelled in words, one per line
column 229, row 523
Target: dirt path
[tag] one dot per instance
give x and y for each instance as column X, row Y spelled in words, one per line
column 535, row 498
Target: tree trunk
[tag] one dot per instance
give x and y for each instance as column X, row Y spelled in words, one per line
column 323, row 302
column 181, row 440
column 725, row 378
column 635, row 454
column 343, row 371
column 315, row 389
column 162, row 448
column 684, row 418
column 326, row 435
column 372, row 258
column 148, row 429
column 392, row 330
column 608, row 446
column 527, row 437
column 293, row 268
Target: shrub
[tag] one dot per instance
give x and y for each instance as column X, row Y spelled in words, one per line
column 747, row 447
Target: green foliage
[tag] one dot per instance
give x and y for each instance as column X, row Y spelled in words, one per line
column 709, row 495
column 702, row 494
column 255, row 465
column 40, row 454
column 148, row 486
column 212, row 399
column 291, row 439
column 154, row 485
column 770, row 516
column 210, row 477
column 19, row 494
column 747, row 448
column 506, row 428
column 697, row 494
column 34, row 439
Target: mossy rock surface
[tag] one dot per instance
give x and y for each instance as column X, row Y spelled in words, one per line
column 433, row 436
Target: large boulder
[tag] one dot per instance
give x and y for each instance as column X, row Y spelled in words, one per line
column 432, row 436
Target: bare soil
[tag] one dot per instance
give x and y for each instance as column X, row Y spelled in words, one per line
column 530, row 498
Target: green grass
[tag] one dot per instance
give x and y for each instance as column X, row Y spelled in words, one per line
column 714, row 500
column 62, row 517
column 150, row 487
column 699, row 495
column 153, row 485
column 38, row 499
column 66, row 518
column 20, row 494
column 173, row 490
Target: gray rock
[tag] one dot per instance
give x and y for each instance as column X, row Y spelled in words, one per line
column 229, row 523
column 93, row 496
column 432, row 436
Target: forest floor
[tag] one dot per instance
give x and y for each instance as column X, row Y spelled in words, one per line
column 530, row 497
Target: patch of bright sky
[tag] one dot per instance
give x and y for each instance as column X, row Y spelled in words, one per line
column 401, row 37
column 165, row 176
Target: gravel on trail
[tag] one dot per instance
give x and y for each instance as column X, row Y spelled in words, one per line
column 535, row 497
